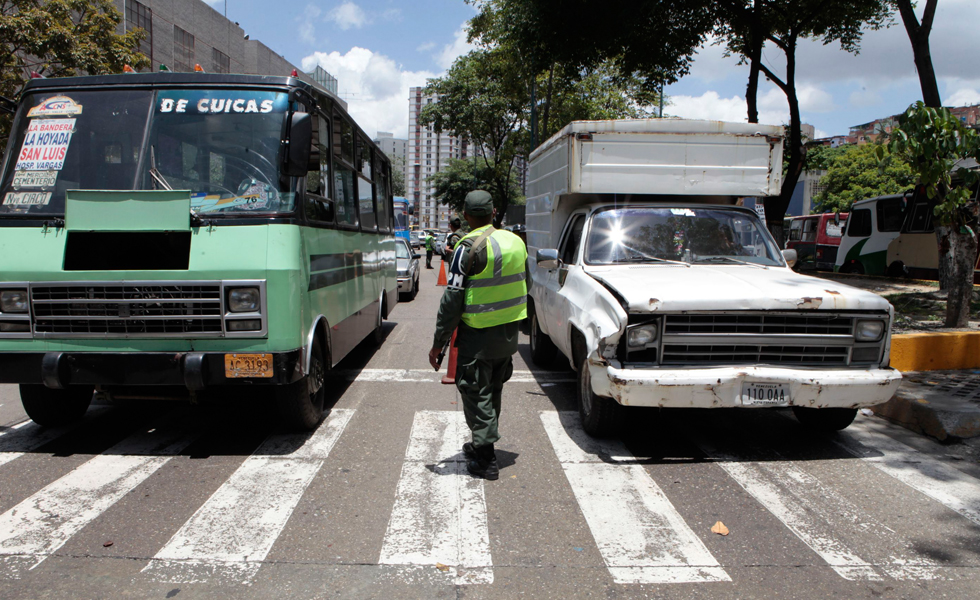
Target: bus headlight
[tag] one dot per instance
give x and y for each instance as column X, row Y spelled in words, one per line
column 246, row 299
column 869, row 331
column 13, row 301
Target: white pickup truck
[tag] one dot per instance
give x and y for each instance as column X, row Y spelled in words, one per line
column 663, row 292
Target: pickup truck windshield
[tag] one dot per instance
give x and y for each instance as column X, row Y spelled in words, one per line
column 691, row 235
column 222, row 145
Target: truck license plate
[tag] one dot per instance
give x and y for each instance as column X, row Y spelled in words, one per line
column 764, row 394
column 248, row 365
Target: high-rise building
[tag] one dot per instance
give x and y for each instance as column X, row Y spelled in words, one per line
column 394, row 148
column 428, row 153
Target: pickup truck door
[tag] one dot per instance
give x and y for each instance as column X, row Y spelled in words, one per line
column 554, row 311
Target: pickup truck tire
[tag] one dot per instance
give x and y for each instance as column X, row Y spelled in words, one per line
column 825, row 419
column 601, row 417
column 544, row 353
column 300, row 404
column 54, row 408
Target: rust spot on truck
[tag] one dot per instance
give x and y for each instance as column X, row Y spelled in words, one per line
column 833, row 292
column 654, row 304
column 807, row 302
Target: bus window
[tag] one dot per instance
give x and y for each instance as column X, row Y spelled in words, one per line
column 890, row 214
column 795, row 230
column 344, row 191
column 809, row 230
column 921, row 218
column 383, row 194
column 365, row 186
column 859, row 223
column 835, row 231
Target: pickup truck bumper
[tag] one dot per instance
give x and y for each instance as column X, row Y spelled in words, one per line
column 722, row 387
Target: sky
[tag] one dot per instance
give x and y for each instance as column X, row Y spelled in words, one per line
column 378, row 49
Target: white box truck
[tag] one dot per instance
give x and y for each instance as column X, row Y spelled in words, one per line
column 662, row 291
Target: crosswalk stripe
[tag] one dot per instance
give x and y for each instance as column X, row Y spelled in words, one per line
column 42, row 523
column 640, row 535
column 231, row 534
column 943, row 483
column 28, row 436
column 820, row 517
column 430, row 376
column 440, row 513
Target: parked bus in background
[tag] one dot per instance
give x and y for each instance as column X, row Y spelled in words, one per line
column 871, row 226
column 816, row 239
column 402, row 211
column 167, row 233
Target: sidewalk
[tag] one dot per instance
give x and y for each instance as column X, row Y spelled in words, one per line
column 941, row 404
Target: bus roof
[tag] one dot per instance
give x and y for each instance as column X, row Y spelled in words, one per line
column 165, row 79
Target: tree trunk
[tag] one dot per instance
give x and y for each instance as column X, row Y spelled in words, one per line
column 960, row 256
column 755, row 56
column 776, row 206
column 919, row 36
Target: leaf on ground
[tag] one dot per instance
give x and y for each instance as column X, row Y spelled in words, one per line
column 442, row 567
column 107, row 544
column 719, row 528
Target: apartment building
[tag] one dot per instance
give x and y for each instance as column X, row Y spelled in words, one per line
column 396, row 150
column 428, row 153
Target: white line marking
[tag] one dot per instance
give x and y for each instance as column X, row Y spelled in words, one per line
column 231, row 534
column 430, row 376
column 943, row 483
column 820, row 517
column 640, row 535
column 440, row 513
column 41, row 524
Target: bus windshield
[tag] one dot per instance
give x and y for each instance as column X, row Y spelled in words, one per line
column 221, row 145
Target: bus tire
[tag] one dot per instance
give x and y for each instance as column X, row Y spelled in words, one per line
column 377, row 335
column 544, row 353
column 601, row 417
column 897, row 269
column 300, row 404
column 825, row 419
column 853, row 267
column 54, row 408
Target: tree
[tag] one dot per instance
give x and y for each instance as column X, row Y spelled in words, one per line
column 60, row 38
column 934, row 142
column 398, row 176
column 853, row 174
column 462, row 176
column 918, row 32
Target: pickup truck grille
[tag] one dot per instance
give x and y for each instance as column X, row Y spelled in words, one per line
column 705, row 354
column 765, row 324
column 143, row 309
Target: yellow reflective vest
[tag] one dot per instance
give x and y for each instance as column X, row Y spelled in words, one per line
column 497, row 294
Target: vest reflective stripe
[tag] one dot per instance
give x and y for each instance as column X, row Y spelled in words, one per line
column 498, row 294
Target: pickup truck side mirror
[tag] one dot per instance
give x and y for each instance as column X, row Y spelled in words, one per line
column 547, row 258
column 790, row 257
column 836, row 219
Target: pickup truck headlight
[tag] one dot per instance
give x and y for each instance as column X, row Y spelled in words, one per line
column 13, row 301
column 246, row 299
column 640, row 336
column 869, row 331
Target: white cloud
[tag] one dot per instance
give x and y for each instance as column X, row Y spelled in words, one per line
column 305, row 20
column 712, row 107
column 458, row 47
column 820, row 134
column 348, row 15
column 376, row 87
column 963, row 97
column 865, row 98
column 426, row 47
column 814, row 100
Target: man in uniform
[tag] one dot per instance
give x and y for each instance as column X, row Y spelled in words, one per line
column 487, row 299
column 430, row 242
column 454, row 236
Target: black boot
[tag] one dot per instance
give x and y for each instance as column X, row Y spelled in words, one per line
column 469, row 450
column 485, row 463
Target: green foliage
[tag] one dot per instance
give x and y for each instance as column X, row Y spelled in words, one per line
column 398, row 176
column 853, row 174
column 933, row 142
column 461, row 177
column 61, row 38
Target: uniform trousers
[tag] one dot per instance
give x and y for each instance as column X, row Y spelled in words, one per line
column 480, row 382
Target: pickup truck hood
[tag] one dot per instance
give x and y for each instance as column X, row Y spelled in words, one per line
column 674, row 288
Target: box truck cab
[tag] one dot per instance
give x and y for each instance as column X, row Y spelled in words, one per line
column 662, row 292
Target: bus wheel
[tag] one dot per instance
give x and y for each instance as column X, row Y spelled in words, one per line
column 897, row 269
column 853, row 267
column 825, row 419
column 300, row 404
column 53, row 408
column 378, row 334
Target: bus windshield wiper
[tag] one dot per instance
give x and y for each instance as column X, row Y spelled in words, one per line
column 730, row 259
column 157, row 175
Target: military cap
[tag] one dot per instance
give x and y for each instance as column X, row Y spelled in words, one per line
column 455, row 221
column 478, row 203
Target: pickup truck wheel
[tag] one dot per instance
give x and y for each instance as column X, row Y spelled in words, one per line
column 544, row 353
column 300, row 404
column 825, row 419
column 601, row 417
column 53, row 408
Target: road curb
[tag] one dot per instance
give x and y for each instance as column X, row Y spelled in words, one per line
column 941, row 404
column 937, row 351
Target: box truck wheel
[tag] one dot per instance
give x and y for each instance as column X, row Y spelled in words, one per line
column 300, row 404
column 601, row 417
column 825, row 419
column 544, row 353
column 53, row 408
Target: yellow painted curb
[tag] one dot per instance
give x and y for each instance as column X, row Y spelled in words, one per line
column 936, row 351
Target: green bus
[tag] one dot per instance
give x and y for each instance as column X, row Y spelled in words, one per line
column 171, row 233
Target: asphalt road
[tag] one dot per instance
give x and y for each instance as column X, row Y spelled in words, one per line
column 176, row 501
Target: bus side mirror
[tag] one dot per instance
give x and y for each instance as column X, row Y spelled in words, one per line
column 297, row 161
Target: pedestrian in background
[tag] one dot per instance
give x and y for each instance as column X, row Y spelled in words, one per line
column 430, row 241
column 486, row 298
column 454, row 236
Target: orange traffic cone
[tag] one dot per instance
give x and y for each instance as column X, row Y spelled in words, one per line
column 451, row 369
column 442, row 274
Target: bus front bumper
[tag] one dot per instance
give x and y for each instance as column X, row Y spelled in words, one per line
column 193, row 370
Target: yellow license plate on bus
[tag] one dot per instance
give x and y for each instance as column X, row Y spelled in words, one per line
column 248, row 365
